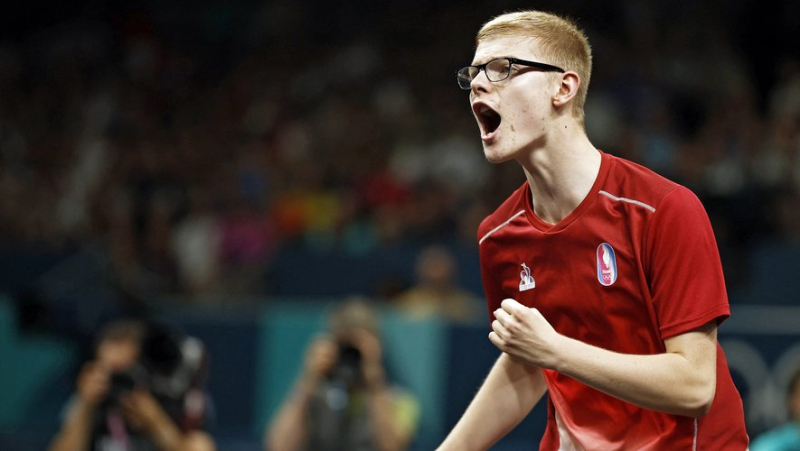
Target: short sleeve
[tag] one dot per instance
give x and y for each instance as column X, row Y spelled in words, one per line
column 687, row 285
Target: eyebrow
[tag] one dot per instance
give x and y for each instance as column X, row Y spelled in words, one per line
column 487, row 60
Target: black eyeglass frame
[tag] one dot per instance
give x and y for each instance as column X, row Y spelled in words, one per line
column 462, row 73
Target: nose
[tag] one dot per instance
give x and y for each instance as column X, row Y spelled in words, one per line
column 480, row 83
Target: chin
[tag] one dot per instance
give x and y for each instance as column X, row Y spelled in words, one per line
column 496, row 156
column 494, row 159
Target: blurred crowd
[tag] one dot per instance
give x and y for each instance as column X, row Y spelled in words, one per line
column 191, row 146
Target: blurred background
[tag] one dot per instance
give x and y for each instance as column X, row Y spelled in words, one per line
column 233, row 168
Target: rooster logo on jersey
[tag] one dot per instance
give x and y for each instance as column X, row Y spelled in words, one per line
column 526, row 281
column 606, row 265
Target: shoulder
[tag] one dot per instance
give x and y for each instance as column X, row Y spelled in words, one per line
column 511, row 208
column 633, row 184
column 635, row 181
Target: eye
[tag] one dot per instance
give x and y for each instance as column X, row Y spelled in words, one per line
column 497, row 69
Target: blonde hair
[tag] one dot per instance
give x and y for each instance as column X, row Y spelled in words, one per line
column 560, row 40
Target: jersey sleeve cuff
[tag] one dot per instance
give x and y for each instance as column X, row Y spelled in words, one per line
column 720, row 314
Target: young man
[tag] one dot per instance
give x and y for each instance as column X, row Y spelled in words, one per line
column 603, row 278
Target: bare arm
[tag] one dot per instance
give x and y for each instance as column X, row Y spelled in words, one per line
column 389, row 435
column 74, row 434
column 681, row 381
column 91, row 388
column 287, row 431
column 512, row 388
column 143, row 412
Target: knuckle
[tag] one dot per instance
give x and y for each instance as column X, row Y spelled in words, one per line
column 512, row 326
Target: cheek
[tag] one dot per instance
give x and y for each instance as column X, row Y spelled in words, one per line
column 526, row 117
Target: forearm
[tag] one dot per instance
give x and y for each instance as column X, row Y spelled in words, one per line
column 388, row 436
column 682, row 380
column 76, row 431
column 166, row 435
column 667, row 382
column 507, row 395
column 288, row 428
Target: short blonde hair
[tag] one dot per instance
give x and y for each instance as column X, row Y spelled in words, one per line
column 563, row 44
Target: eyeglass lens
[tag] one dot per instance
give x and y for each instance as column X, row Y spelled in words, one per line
column 496, row 70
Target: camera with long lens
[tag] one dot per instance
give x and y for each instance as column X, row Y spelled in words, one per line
column 169, row 365
column 347, row 369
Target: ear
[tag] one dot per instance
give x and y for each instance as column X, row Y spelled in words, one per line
column 567, row 90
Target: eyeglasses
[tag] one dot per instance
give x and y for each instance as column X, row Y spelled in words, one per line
column 497, row 70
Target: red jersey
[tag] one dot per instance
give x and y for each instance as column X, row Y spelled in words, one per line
column 634, row 264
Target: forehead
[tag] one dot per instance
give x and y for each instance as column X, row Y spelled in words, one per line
column 118, row 354
column 512, row 46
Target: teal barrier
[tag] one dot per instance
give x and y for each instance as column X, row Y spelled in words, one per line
column 414, row 351
column 28, row 364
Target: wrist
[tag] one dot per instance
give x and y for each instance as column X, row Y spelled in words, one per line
column 82, row 406
column 306, row 386
column 562, row 347
column 90, row 398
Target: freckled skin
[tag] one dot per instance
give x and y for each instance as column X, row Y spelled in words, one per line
column 519, row 100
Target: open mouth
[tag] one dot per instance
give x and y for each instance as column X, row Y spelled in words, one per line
column 488, row 119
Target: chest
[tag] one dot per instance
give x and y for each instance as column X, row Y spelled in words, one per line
column 589, row 282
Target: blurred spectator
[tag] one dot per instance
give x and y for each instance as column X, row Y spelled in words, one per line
column 786, row 437
column 344, row 400
column 196, row 243
column 142, row 391
column 437, row 293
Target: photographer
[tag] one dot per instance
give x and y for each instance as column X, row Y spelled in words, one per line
column 342, row 400
column 122, row 401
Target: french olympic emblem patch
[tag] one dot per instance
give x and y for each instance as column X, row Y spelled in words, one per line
column 606, row 265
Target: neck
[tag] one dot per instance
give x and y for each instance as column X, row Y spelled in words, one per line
column 561, row 172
